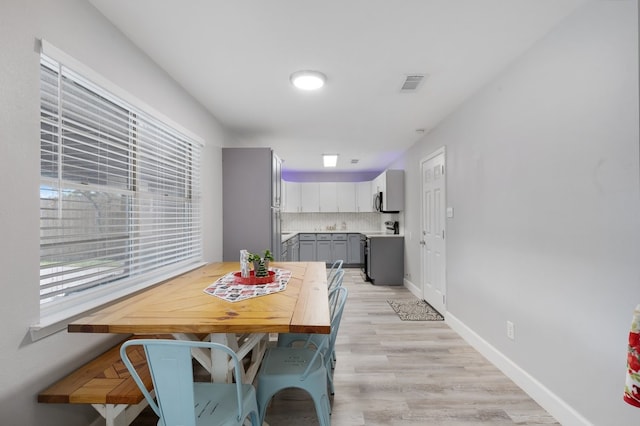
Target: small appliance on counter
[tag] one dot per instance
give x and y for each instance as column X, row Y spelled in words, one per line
column 392, row 227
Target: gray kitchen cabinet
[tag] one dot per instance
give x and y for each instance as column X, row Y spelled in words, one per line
column 294, row 249
column 331, row 247
column 307, row 251
column 323, row 248
column 323, row 251
column 339, row 247
column 353, row 249
column 251, row 192
column 338, row 251
column 385, row 262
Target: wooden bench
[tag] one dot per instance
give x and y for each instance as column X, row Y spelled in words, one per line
column 106, row 384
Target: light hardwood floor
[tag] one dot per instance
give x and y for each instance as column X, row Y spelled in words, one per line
column 393, row 372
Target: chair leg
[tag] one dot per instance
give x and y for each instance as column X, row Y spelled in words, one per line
column 321, row 403
column 255, row 419
column 323, row 409
column 263, row 403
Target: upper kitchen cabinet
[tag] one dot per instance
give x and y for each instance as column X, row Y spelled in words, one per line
column 309, row 197
column 251, row 193
column 320, row 197
column 328, row 201
column 389, row 191
column 329, row 197
column 364, row 197
column 291, row 196
column 346, row 197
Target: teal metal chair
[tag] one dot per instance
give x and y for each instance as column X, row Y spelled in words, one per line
column 336, row 279
column 288, row 339
column 335, row 267
column 303, row 368
column 180, row 400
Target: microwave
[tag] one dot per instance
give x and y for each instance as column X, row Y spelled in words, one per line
column 379, row 203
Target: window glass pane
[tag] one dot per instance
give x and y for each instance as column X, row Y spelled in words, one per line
column 95, row 138
column 119, row 194
column 83, row 240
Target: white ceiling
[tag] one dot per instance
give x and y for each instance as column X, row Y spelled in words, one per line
column 235, row 58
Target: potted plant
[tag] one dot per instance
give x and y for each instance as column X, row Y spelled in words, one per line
column 267, row 256
column 261, row 263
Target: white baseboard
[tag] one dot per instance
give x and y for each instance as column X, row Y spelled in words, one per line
column 554, row 405
column 414, row 289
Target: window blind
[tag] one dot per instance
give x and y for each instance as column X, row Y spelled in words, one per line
column 119, row 192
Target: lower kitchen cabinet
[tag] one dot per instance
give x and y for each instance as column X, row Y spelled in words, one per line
column 385, row 262
column 331, row 247
column 353, row 255
column 307, row 252
column 323, row 251
column 324, row 247
column 339, row 251
column 294, row 249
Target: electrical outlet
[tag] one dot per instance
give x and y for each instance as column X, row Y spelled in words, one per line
column 511, row 331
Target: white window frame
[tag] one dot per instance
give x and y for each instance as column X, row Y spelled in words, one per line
column 55, row 314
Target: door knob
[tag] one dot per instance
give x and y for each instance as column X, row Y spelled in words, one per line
column 422, row 243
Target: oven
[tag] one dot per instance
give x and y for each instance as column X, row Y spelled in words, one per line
column 364, row 256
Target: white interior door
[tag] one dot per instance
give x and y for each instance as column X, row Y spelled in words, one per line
column 432, row 242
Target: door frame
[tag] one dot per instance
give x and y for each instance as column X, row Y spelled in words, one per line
column 432, row 155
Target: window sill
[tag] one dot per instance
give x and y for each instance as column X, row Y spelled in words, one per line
column 52, row 323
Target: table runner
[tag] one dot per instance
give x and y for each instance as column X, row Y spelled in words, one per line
column 227, row 289
column 632, row 384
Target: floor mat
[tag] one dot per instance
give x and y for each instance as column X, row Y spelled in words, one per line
column 415, row 310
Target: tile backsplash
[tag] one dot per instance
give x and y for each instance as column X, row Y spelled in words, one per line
column 355, row 222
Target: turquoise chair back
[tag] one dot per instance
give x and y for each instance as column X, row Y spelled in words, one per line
column 336, row 279
column 335, row 267
column 182, row 401
column 303, row 368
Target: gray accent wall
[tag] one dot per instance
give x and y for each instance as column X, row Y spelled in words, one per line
column 543, row 176
column 75, row 27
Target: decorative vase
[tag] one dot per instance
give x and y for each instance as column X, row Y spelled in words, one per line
column 262, row 270
column 256, row 264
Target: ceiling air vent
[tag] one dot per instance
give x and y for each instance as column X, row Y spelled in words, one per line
column 412, row 82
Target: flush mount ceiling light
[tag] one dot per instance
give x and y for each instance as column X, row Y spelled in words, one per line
column 308, row 80
column 329, row 160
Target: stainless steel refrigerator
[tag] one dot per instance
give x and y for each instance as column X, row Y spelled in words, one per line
column 251, row 197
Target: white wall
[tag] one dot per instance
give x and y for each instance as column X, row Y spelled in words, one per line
column 79, row 30
column 543, row 175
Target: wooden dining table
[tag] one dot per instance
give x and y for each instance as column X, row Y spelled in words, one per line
column 179, row 306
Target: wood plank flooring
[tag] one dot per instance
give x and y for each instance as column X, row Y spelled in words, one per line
column 393, row 372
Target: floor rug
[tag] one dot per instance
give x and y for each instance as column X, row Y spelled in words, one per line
column 415, row 310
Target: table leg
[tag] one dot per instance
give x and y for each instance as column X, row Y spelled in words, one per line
column 220, row 371
column 217, row 363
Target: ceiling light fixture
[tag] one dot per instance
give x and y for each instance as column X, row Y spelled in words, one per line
column 330, row 160
column 308, row 80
